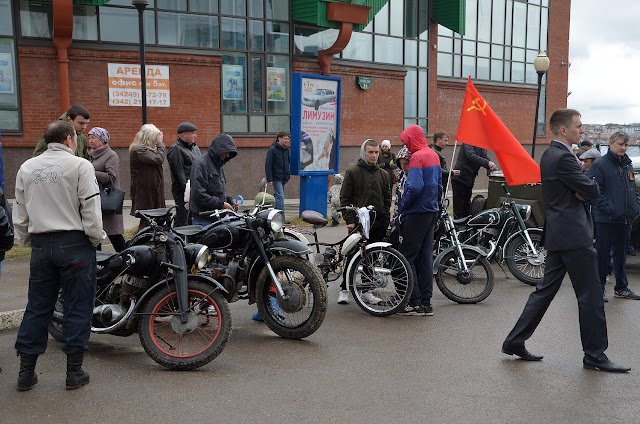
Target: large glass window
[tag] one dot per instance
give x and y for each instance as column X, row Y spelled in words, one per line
column 397, row 35
column 513, row 31
column 9, row 89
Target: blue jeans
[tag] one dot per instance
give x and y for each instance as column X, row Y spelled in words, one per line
column 278, row 193
column 612, row 240
column 64, row 260
column 197, row 221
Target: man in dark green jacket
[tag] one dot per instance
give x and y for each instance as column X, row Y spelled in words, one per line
column 78, row 116
column 367, row 184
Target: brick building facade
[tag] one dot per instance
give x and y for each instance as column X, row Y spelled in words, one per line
column 196, row 97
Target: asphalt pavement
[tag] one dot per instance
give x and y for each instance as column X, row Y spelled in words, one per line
column 355, row 369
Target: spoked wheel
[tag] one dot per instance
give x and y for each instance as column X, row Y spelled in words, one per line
column 301, row 312
column 522, row 262
column 381, row 285
column 185, row 346
column 471, row 286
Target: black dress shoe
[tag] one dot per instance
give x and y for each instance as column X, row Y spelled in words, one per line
column 520, row 351
column 605, row 365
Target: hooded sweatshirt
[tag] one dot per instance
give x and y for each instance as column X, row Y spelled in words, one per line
column 424, row 179
column 366, row 185
column 208, row 182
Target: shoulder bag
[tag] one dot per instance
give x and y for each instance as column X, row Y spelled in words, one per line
column 111, row 199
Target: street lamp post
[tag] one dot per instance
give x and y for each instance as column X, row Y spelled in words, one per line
column 141, row 5
column 541, row 65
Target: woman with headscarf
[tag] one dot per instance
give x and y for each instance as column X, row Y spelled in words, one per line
column 387, row 161
column 146, row 155
column 107, row 166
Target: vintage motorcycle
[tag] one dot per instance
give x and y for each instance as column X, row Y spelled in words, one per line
column 502, row 232
column 253, row 260
column 374, row 268
column 462, row 272
column 183, row 319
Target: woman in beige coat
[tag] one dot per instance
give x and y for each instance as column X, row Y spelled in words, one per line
column 146, row 156
column 107, row 165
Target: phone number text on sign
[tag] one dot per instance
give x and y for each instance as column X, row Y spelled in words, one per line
column 125, row 90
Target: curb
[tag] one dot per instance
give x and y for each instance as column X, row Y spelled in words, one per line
column 11, row 319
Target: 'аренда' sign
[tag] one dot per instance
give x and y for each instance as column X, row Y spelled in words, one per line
column 125, row 88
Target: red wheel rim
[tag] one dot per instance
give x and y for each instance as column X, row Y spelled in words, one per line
column 188, row 345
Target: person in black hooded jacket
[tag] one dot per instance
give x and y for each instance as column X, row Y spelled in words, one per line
column 6, row 229
column 208, row 182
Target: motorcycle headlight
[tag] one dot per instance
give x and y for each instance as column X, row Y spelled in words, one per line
column 196, row 254
column 275, row 220
column 525, row 212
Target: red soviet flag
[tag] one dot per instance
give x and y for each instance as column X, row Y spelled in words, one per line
column 480, row 126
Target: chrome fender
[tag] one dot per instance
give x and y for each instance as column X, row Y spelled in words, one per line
column 516, row 234
column 358, row 254
column 438, row 259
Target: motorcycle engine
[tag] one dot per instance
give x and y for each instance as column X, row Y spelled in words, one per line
column 486, row 235
column 132, row 288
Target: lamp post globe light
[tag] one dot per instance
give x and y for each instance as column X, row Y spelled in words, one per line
column 141, row 5
column 541, row 65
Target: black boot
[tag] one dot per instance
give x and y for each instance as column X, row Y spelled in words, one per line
column 27, row 377
column 76, row 376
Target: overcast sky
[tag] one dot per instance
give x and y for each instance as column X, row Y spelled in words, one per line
column 604, row 51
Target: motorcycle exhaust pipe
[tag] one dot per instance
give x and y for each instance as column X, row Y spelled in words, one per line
column 58, row 317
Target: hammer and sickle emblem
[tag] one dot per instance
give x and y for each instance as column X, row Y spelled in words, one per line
column 476, row 106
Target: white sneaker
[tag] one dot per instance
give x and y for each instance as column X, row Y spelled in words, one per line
column 212, row 311
column 370, row 298
column 343, row 297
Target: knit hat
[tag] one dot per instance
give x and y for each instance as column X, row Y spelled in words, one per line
column 186, row 127
column 404, row 153
column 101, row 134
column 385, row 143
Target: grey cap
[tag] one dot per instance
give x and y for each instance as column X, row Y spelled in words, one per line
column 186, row 126
column 590, row 154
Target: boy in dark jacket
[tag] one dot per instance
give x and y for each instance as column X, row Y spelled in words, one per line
column 208, row 182
column 276, row 167
column 470, row 159
column 366, row 184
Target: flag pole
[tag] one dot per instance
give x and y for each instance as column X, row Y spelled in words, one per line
column 455, row 145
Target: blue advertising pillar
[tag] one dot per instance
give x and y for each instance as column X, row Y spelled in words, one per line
column 315, row 136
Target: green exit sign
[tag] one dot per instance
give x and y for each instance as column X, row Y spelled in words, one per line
column 364, row 82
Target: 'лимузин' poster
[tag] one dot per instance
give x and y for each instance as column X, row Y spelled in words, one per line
column 318, row 123
column 232, row 82
column 276, row 84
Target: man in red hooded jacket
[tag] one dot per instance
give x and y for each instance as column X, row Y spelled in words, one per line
column 418, row 213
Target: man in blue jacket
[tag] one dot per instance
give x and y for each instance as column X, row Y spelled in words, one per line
column 613, row 211
column 418, row 215
column 276, row 167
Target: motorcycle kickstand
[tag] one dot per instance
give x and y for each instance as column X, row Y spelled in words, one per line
column 505, row 272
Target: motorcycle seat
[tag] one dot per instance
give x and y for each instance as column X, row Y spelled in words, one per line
column 153, row 213
column 188, row 230
column 461, row 220
column 314, row 218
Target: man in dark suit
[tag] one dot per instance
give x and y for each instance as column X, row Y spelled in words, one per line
column 568, row 238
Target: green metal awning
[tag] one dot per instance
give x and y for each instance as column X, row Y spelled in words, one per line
column 314, row 12
column 91, row 2
column 450, row 14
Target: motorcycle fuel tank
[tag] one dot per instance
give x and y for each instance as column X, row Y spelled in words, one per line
column 490, row 217
column 225, row 235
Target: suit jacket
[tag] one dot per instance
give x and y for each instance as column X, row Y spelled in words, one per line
column 568, row 222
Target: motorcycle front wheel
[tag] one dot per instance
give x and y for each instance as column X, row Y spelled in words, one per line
column 301, row 313
column 185, row 346
column 385, row 275
column 471, row 286
column 522, row 263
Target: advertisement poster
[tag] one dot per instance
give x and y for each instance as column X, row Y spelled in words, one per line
column 125, row 88
column 6, row 74
column 232, row 82
column 318, row 124
column 276, row 84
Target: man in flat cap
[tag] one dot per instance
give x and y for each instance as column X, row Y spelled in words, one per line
column 181, row 156
column 588, row 158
